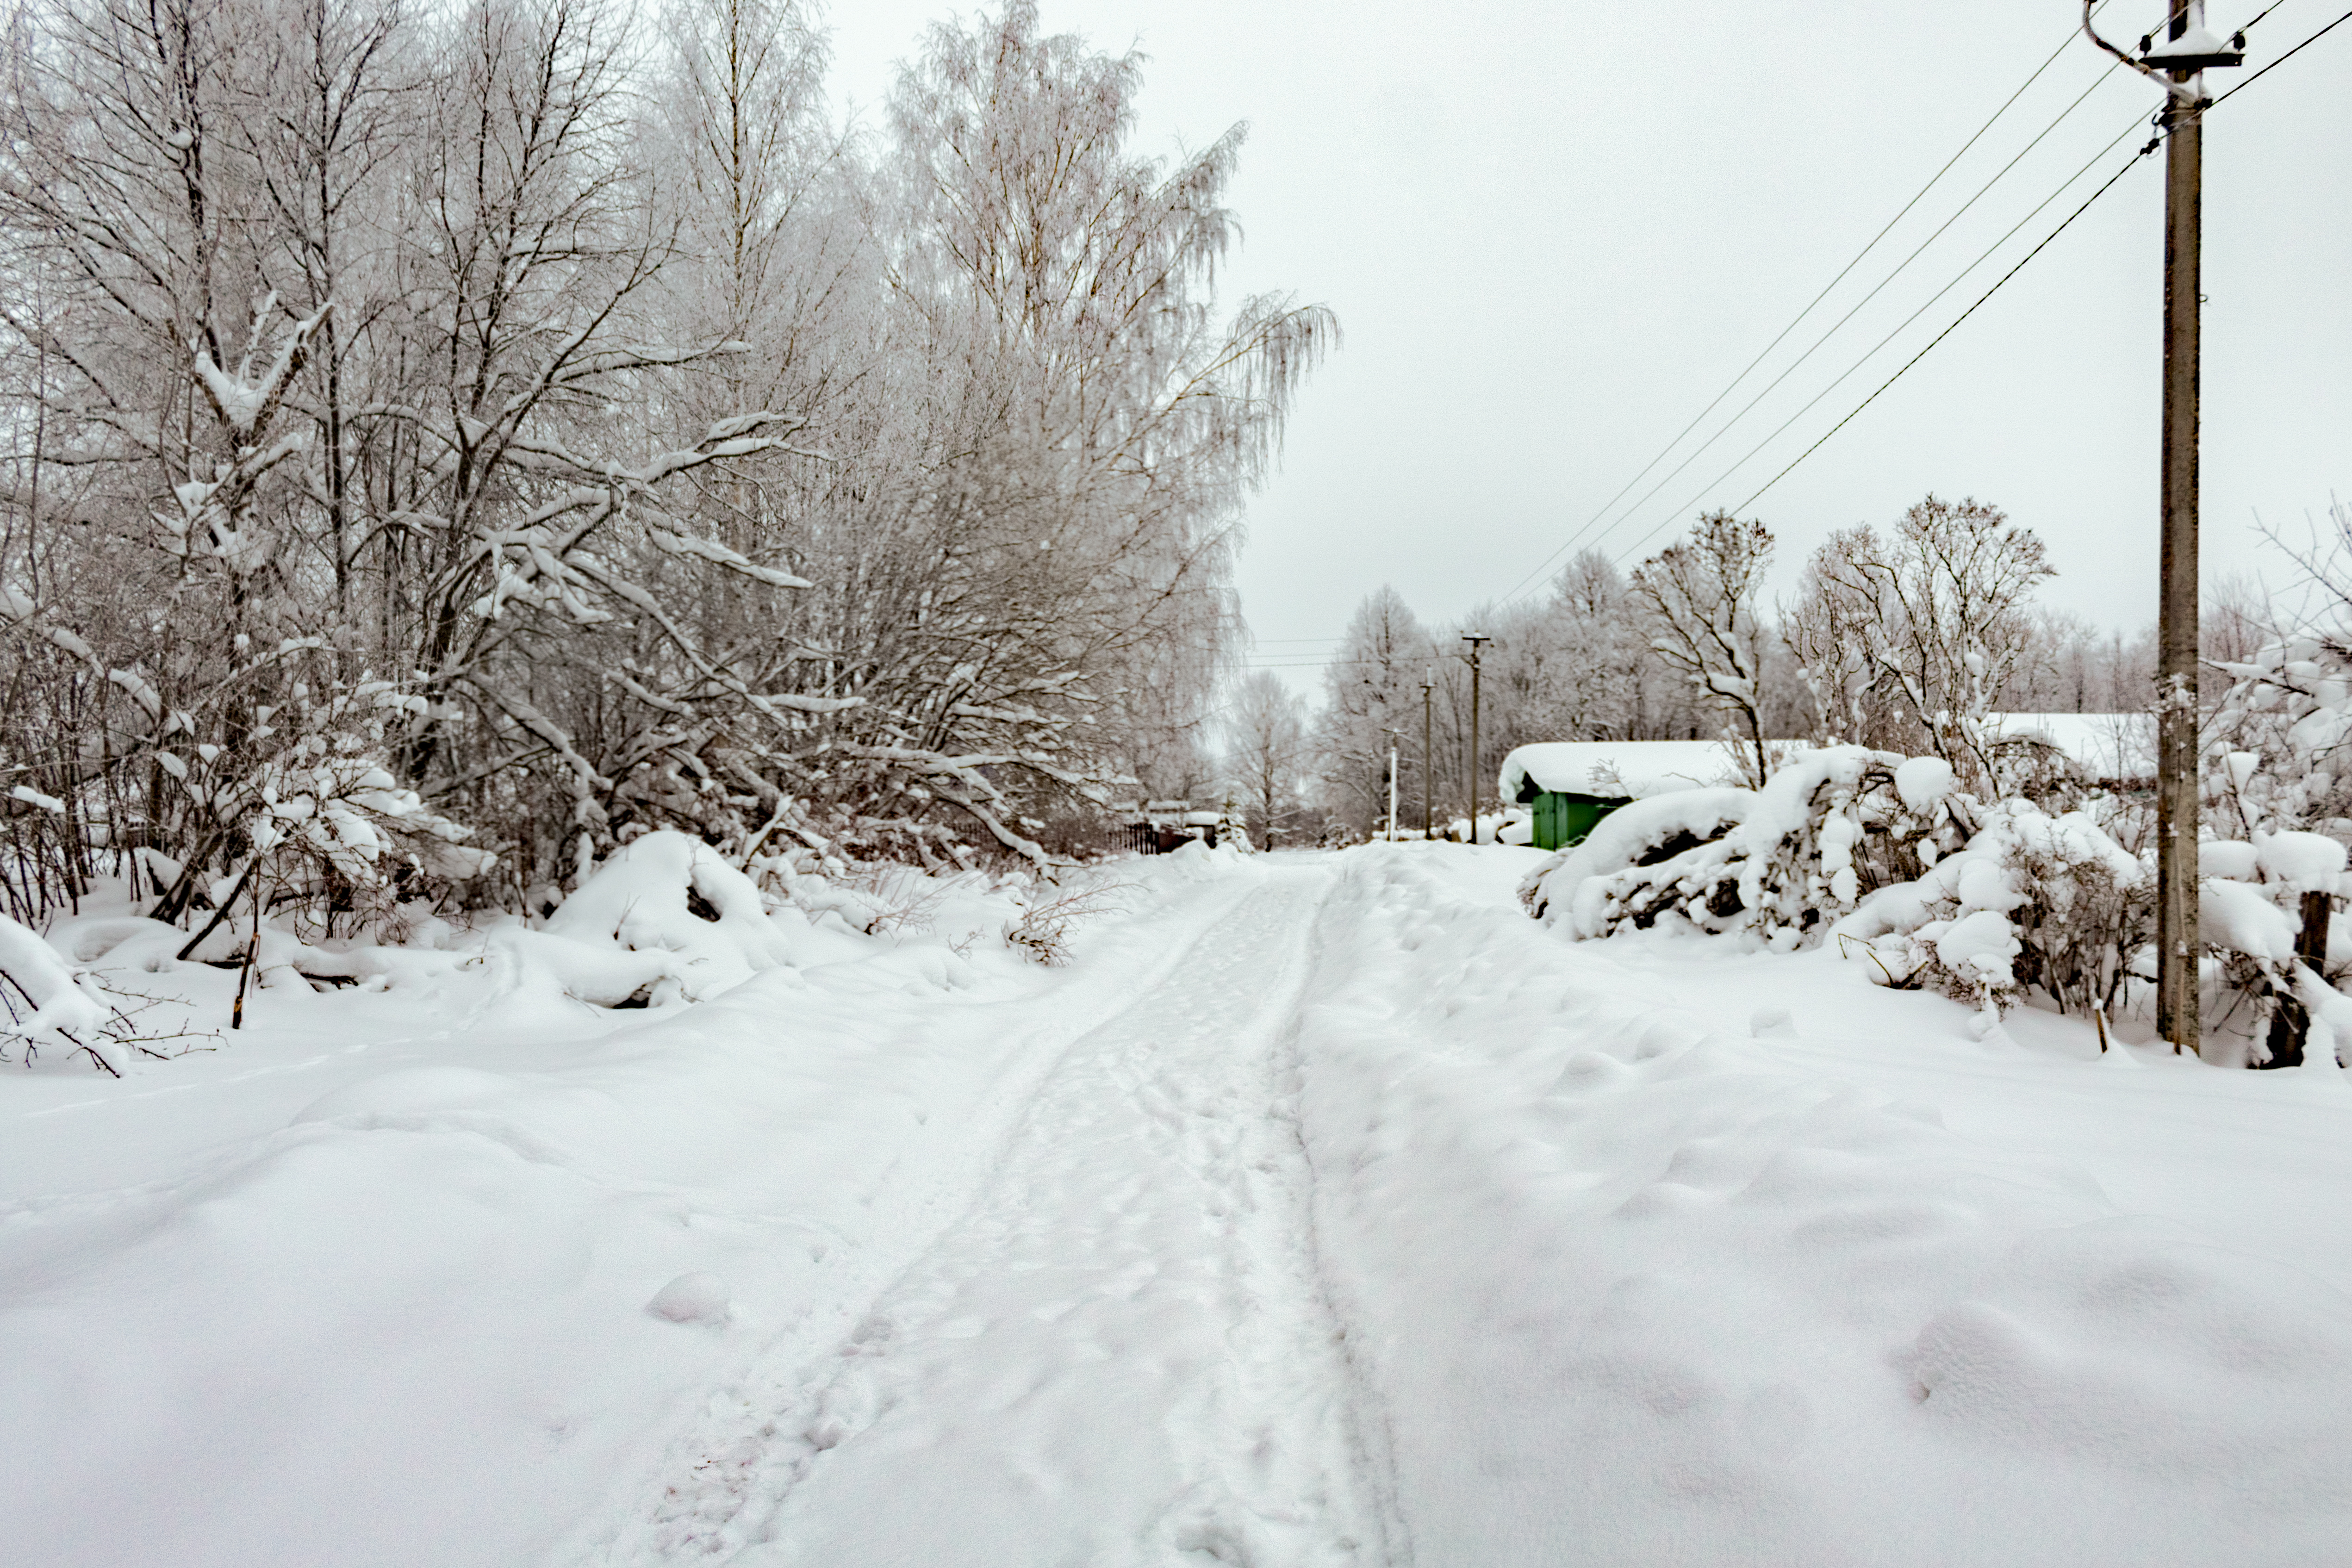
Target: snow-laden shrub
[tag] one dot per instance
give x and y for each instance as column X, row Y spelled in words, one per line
column 692, row 924
column 57, row 1011
column 2285, row 721
column 1779, row 864
column 2265, row 985
column 1050, row 912
column 50, row 1002
column 1926, row 883
column 1642, row 833
column 2032, row 900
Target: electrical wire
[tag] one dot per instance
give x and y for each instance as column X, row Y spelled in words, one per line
column 1947, row 331
column 1871, row 352
column 1799, row 319
column 2281, row 60
column 1989, row 293
column 1865, row 300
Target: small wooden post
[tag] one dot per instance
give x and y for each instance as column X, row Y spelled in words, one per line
column 252, row 949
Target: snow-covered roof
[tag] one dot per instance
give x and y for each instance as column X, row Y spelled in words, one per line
column 1613, row 770
column 2106, row 745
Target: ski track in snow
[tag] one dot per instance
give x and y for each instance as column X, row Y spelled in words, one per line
column 1123, row 1351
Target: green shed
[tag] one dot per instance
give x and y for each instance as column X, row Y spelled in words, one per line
column 1563, row 818
column 1569, row 785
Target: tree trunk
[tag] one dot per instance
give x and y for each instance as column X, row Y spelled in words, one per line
column 2290, row 1020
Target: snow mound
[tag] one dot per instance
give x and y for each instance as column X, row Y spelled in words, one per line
column 64, row 1015
column 2231, row 857
column 411, row 1089
column 1194, row 861
column 2122, row 1340
column 2308, row 860
column 700, row 921
column 1924, row 782
column 693, row 1299
column 2240, row 917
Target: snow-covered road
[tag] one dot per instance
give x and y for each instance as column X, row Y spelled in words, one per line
column 1325, row 1211
column 1123, row 1351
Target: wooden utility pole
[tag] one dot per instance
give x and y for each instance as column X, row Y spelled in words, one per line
column 2188, row 50
column 1428, row 775
column 2179, row 948
column 1475, row 639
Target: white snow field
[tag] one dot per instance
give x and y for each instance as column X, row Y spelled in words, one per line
column 1325, row 1210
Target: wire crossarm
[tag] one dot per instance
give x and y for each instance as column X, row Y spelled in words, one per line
column 2176, row 63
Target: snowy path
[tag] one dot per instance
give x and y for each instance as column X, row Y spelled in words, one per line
column 1123, row 1352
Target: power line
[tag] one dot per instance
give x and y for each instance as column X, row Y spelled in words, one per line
column 1821, row 341
column 1947, row 331
column 2283, row 58
column 1989, row 293
column 1871, row 352
column 1799, row 319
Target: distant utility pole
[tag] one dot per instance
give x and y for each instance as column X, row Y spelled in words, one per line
column 2178, row 66
column 1428, row 778
column 1474, row 639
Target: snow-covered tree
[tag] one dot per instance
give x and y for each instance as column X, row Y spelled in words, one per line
column 1909, row 638
column 1371, row 700
column 1265, row 755
column 1703, row 595
column 654, row 451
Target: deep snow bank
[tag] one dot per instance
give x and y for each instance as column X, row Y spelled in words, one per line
column 1637, row 1287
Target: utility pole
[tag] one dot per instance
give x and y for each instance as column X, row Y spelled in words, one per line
column 1428, row 778
column 2188, row 50
column 2177, row 1011
column 1475, row 639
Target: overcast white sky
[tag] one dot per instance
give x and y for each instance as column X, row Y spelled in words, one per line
column 1554, row 232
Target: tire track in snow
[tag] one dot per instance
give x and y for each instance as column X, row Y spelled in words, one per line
column 729, row 1455
column 1126, row 1352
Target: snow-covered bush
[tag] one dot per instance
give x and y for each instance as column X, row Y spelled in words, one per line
column 48, row 1002
column 2031, row 900
column 1780, row 863
column 2281, row 757
column 1884, row 854
column 2263, row 911
column 695, row 924
column 56, row 1009
column 2278, row 782
column 1050, row 912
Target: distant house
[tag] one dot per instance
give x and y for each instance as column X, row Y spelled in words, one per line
column 1161, row 827
column 1571, row 785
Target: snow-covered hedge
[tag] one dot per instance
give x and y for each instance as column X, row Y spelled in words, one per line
column 1930, row 885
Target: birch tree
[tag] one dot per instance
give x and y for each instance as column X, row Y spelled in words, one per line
column 547, row 424
column 1701, row 596
column 1909, row 638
